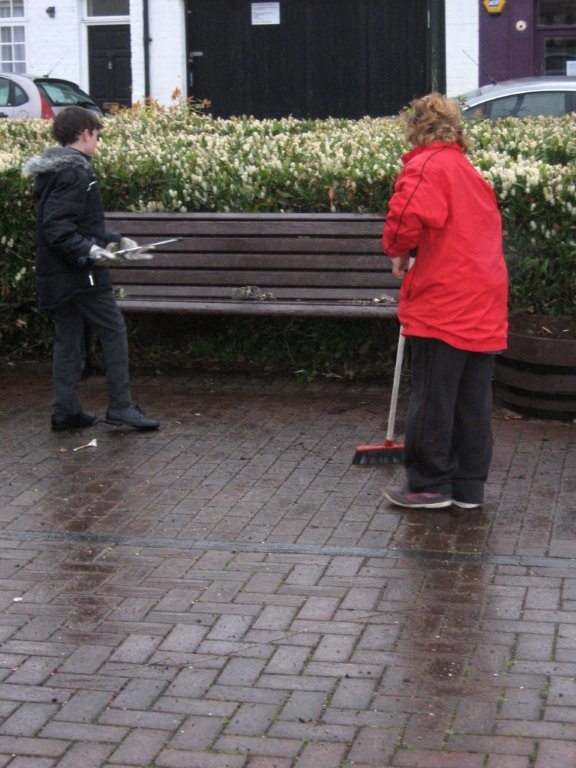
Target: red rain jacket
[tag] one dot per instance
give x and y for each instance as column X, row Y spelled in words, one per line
column 457, row 290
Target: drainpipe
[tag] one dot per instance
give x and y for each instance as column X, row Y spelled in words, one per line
column 436, row 11
column 147, row 41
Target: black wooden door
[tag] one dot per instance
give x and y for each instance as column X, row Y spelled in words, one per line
column 339, row 58
column 110, row 73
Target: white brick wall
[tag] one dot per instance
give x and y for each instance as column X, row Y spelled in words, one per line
column 59, row 45
column 462, row 37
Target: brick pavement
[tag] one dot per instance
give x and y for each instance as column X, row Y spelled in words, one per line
column 231, row 592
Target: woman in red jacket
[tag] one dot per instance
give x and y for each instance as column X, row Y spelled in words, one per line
column 453, row 307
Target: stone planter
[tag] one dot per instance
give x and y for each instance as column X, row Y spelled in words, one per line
column 537, row 376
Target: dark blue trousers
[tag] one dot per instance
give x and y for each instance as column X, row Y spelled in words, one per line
column 448, row 446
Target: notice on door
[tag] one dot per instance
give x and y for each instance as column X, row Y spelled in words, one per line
column 265, row 13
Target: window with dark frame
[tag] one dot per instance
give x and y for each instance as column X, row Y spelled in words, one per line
column 108, row 8
column 556, row 13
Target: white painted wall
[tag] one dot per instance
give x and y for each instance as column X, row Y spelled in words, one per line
column 462, row 37
column 167, row 49
column 59, row 46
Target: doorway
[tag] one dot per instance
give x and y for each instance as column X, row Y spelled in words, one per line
column 110, row 73
column 311, row 58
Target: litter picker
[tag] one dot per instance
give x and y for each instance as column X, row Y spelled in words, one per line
column 141, row 251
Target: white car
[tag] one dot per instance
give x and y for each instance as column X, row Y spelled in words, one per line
column 25, row 96
column 525, row 97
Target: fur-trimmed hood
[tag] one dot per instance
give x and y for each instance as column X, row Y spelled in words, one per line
column 55, row 159
column 70, row 219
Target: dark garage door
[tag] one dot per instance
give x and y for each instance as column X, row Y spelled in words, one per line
column 311, row 58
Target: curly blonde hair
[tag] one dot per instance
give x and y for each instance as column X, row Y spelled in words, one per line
column 434, row 118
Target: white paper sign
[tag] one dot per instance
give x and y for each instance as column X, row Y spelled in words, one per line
column 571, row 68
column 265, row 13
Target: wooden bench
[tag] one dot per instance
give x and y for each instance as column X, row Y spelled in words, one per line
column 326, row 265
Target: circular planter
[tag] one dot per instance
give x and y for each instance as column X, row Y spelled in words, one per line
column 537, row 376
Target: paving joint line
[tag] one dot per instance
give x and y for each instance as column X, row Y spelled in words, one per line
column 330, row 550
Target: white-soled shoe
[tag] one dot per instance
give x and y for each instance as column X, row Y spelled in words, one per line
column 418, row 500
column 465, row 504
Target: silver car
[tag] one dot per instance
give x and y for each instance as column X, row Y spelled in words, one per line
column 525, row 97
column 25, row 96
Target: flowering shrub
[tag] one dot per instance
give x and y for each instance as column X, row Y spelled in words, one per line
column 176, row 159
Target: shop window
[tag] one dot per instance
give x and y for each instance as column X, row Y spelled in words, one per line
column 108, row 8
column 556, row 13
column 558, row 53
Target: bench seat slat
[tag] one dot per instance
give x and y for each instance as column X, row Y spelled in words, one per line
column 321, row 293
column 295, row 309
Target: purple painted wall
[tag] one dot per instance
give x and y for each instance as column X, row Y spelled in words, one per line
column 506, row 50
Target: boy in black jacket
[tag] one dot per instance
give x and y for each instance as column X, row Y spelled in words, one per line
column 71, row 277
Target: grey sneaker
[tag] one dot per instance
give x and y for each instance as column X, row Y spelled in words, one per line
column 418, row 500
column 131, row 416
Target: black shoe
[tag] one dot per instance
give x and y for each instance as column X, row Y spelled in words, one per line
column 131, row 416
column 72, row 421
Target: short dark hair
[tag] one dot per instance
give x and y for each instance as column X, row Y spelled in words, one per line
column 69, row 124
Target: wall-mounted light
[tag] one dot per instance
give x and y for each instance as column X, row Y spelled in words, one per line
column 51, row 11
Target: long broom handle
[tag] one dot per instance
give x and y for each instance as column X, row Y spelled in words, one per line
column 397, row 372
column 395, row 387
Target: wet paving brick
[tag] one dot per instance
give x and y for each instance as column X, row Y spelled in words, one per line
column 232, row 592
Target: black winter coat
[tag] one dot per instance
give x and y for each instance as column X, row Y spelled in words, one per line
column 69, row 221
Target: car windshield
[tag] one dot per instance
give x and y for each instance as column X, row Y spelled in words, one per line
column 62, row 94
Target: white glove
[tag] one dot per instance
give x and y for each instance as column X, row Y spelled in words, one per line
column 126, row 243
column 99, row 254
column 135, row 252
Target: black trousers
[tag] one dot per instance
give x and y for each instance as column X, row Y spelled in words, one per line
column 103, row 316
column 448, row 446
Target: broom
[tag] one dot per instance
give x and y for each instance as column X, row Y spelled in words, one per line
column 389, row 452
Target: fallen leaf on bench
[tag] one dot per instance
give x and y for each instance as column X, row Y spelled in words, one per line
column 385, row 298
column 250, row 293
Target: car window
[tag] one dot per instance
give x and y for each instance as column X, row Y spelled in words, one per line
column 4, row 92
column 479, row 112
column 549, row 104
column 20, row 95
column 62, row 94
